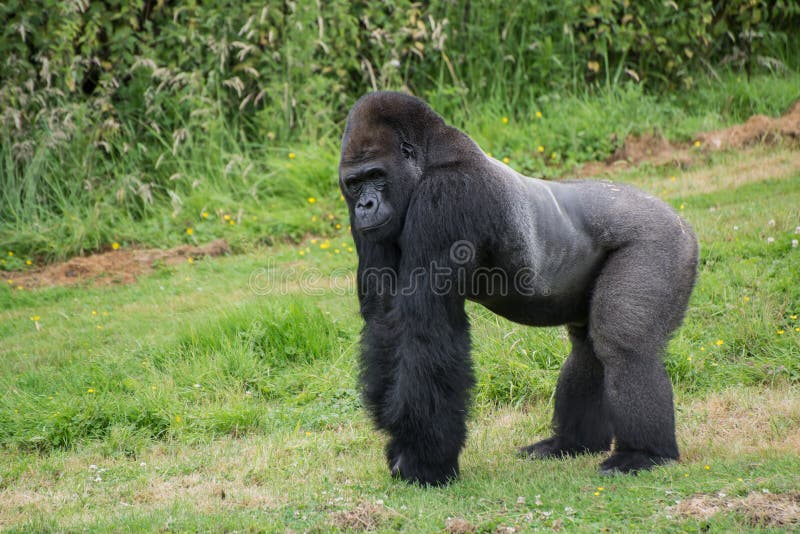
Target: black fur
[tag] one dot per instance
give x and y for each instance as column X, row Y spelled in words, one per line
column 436, row 222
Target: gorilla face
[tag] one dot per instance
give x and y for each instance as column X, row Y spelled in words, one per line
column 377, row 180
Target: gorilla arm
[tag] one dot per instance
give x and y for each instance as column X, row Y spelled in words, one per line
column 426, row 343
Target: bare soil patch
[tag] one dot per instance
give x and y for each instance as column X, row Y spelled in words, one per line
column 759, row 509
column 656, row 150
column 114, row 267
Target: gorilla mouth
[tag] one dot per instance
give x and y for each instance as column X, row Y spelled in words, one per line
column 375, row 226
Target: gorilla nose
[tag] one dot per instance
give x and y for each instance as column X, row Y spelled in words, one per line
column 366, row 205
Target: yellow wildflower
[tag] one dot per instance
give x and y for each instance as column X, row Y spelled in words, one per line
column 707, row 467
column 226, row 217
column 538, row 114
column 231, row 222
column 311, row 200
column 10, row 253
column 190, row 259
column 94, row 312
column 292, row 155
column 697, row 143
column 338, row 226
column 719, row 343
column 177, row 418
column 793, row 317
column 506, row 160
column 90, row 390
column 28, row 262
column 189, row 231
column 747, row 299
column 204, row 215
column 780, row 332
column 115, row 246
column 34, row 317
column 504, row 120
column 325, row 245
column 540, row 149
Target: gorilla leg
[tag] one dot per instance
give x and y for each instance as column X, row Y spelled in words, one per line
column 580, row 422
column 639, row 299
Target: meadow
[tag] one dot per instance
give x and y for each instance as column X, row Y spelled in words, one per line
column 220, row 394
column 146, row 386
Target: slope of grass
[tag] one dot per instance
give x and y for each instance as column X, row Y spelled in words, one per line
column 221, row 394
column 212, row 179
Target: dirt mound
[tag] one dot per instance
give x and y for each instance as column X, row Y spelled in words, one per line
column 656, row 150
column 757, row 129
column 760, row 509
column 113, row 267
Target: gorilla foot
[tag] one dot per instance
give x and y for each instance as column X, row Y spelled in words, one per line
column 554, row 447
column 406, row 466
column 623, row 462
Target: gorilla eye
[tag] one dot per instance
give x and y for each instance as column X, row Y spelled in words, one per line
column 407, row 149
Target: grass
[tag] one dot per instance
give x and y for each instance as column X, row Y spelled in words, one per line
column 221, row 395
column 71, row 197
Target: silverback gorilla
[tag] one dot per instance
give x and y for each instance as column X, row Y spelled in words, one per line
column 436, row 222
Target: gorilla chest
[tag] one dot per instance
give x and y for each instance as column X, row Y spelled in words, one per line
column 542, row 310
column 550, row 290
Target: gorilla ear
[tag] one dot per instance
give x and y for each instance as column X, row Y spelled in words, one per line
column 407, row 149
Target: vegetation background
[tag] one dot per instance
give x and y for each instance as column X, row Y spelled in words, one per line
column 200, row 399
column 115, row 113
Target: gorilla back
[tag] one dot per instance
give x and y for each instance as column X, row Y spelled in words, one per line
column 436, row 222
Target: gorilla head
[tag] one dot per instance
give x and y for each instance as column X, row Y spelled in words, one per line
column 382, row 160
column 613, row 264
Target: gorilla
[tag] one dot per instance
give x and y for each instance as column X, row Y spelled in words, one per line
column 436, row 222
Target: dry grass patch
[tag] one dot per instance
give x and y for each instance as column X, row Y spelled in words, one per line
column 206, row 494
column 740, row 421
column 364, row 516
column 758, row 508
column 458, row 525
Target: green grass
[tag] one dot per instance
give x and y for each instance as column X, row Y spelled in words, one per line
column 209, row 396
column 149, row 191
